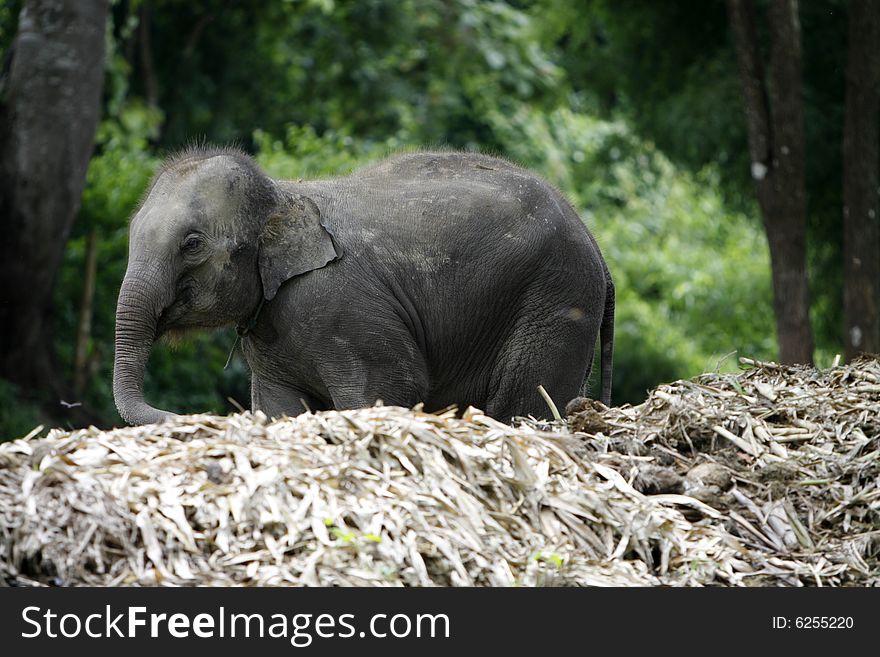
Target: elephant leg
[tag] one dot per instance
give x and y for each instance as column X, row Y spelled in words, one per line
column 390, row 369
column 276, row 400
column 541, row 350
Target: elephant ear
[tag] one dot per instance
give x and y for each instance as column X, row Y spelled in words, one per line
column 294, row 241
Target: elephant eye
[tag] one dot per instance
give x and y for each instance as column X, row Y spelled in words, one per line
column 191, row 243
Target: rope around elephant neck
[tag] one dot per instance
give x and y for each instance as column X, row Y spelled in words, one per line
column 242, row 330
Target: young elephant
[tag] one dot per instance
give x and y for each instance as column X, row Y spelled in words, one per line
column 443, row 278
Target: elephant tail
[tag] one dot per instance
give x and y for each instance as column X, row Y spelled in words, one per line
column 606, row 339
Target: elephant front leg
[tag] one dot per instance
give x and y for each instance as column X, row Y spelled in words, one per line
column 276, row 400
column 396, row 378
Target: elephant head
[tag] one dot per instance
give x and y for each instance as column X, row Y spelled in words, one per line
column 213, row 237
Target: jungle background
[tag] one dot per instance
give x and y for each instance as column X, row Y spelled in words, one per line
column 695, row 137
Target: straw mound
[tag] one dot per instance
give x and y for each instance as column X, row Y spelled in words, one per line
column 768, row 477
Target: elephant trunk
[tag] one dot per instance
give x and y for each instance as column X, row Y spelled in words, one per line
column 137, row 313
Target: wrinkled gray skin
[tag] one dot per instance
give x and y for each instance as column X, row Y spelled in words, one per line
column 443, row 278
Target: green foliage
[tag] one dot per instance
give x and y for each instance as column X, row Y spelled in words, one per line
column 305, row 154
column 421, row 68
column 17, row 416
column 8, row 24
column 670, row 70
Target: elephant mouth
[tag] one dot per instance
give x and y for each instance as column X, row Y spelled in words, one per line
column 170, row 320
column 179, row 320
column 171, row 328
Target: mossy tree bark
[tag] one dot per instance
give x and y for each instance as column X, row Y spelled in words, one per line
column 773, row 107
column 49, row 108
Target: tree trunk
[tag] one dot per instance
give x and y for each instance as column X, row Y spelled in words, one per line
column 774, row 123
column 81, row 360
column 148, row 68
column 49, row 109
column 861, row 181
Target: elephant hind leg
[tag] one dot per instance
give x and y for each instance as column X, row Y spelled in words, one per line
column 554, row 351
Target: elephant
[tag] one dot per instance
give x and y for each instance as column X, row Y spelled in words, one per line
column 442, row 278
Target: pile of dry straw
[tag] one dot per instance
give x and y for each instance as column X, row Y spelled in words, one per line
column 768, row 477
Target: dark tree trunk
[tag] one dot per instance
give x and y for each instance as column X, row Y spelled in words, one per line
column 81, row 360
column 148, row 68
column 861, row 182
column 774, row 120
column 49, row 108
